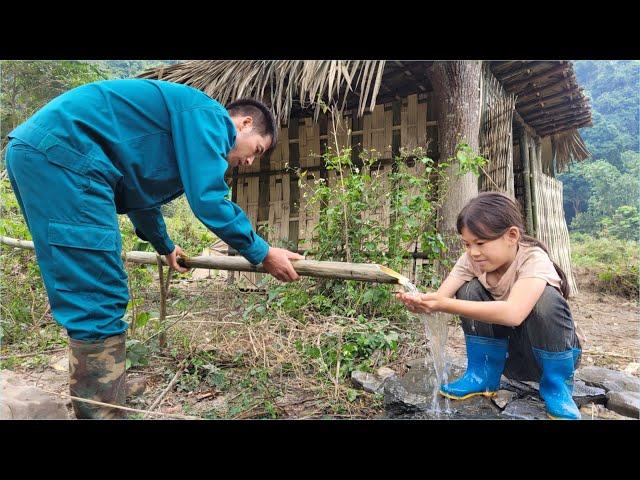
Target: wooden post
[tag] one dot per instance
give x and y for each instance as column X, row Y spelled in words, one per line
column 524, row 158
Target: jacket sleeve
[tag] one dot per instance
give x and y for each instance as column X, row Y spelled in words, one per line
column 202, row 138
column 150, row 227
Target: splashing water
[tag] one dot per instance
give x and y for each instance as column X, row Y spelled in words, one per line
column 436, row 330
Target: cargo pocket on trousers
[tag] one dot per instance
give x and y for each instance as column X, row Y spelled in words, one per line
column 81, row 255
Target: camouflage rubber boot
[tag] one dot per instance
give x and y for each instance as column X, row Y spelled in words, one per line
column 97, row 372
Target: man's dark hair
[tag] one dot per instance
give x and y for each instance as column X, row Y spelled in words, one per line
column 263, row 120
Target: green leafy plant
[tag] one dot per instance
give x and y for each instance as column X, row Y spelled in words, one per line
column 468, row 160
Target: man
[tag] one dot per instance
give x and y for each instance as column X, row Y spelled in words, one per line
column 127, row 146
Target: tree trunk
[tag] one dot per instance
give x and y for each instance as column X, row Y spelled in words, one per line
column 457, row 87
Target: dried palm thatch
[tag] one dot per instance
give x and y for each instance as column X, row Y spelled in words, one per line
column 281, row 83
column 570, row 148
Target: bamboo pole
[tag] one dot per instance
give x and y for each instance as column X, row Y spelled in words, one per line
column 535, row 171
column 542, row 101
column 363, row 272
column 557, row 121
column 538, row 89
column 524, row 158
column 14, row 242
column 550, row 131
column 560, row 107
column 520, row 82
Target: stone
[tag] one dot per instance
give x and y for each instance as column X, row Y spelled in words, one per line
column 521, row 388
column 584, row 394
column 632, row 367
column 416, row 362
column 415, row 395
column 21, row 401
column 399, row 401
column 385, row 372
column 136, row 386
column 503, row 397
column 624, row 403
column 367, row 381
column 426, row 362
column 526, row 409
column 594, row 411
column 61, row 365
column 610, row 380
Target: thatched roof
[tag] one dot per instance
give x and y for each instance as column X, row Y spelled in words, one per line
column 288, row 85
column 548, row 97
column 570, row 148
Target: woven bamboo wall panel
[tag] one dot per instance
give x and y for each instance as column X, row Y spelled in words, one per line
column 376, row 136
column 279, row 186
column 552, row 226
column 496, row 136
column 279, row 158
column 409, row 123
column 308, row 215
column 309, row 142
column 247, row 198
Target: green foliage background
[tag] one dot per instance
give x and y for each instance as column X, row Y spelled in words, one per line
column 601, row 195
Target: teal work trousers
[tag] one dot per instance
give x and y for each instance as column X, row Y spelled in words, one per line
column 67, row 200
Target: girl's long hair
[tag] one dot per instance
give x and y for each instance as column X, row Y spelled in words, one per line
column 489, row 215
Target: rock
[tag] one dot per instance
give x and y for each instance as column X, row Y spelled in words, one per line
column 610, row 380
column 503, row 397
column 526, row 409
column 521, row 388
column 599, row 412
column 426, row 362
column 21, row 401
column 584, row 394
column 633, row 367
column 61, row 365
column 367, row 381
column 136, row 386
column 399, row 401
column 416, row 362
column 415, row 395
column 385, row 372
column 624, row 403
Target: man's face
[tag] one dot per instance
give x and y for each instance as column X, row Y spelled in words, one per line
column 249, row 144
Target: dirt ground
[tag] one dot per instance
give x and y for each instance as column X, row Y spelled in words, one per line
column 610, row 323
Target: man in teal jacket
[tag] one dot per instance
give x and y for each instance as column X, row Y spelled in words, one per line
column 127, row 146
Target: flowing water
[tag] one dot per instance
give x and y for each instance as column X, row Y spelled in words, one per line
column 436, row 330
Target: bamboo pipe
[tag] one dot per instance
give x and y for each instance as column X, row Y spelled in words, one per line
column 362, row 272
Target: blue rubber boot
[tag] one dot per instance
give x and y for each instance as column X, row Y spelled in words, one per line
column 485, row 362
column 556, row 384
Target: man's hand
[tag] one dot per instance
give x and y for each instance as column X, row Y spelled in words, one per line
column 172, row 259
column 278, row 263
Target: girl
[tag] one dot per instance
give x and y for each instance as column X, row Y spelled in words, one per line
column 511, row 299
